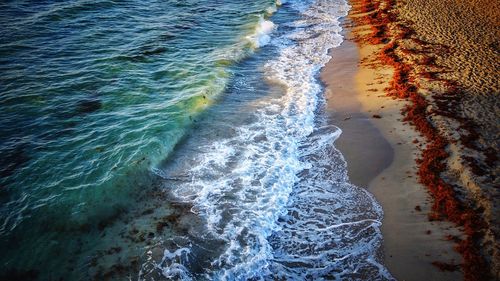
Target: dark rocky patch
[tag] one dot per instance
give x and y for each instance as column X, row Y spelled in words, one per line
column 12, row 159
column 14, row 274
column 155, row 51
column 88, row 106
column 112, row 218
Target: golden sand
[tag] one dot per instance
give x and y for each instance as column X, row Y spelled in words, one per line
column 457, row 41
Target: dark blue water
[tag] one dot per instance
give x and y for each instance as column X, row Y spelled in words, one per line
column 166, row 140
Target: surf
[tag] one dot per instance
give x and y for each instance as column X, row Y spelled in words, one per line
column 273, row 198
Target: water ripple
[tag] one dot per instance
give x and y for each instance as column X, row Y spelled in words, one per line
column 95, row 93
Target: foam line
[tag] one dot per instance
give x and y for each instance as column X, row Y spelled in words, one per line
column 282, row 207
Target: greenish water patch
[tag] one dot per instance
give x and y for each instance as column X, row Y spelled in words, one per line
column 93, row 95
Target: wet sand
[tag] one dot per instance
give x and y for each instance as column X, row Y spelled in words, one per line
column 381, row 156
column 446, row 51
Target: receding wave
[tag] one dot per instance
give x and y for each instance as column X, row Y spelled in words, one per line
column 272, row 199
column 158, row 143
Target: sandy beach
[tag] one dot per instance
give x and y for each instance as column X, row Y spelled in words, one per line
column 250, row 140
column 381, row 156
column 387, row 153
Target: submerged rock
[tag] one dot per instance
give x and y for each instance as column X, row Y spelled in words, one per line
column 89, row 106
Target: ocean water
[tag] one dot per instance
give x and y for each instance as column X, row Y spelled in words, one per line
column 175, row 140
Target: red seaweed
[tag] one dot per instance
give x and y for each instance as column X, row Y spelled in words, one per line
column 431, row 164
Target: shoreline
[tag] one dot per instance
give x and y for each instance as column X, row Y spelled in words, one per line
column 378, row 158
column 401, row 142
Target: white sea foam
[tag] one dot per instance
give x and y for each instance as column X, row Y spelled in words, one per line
column 332, row 227
column 261, row 35
column 280, row 2
column 275, row 197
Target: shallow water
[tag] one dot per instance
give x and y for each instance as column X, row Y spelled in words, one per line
column 176, row 139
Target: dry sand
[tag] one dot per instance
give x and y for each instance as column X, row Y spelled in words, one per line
column 453, row 49
column 471, row 29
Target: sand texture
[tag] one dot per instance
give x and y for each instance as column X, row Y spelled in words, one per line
column 471, row 31
column 438, row 61
column 381, row 156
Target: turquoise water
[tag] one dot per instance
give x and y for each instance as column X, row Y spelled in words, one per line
column 166, row 140
column 88, row 88
column 94, row 93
